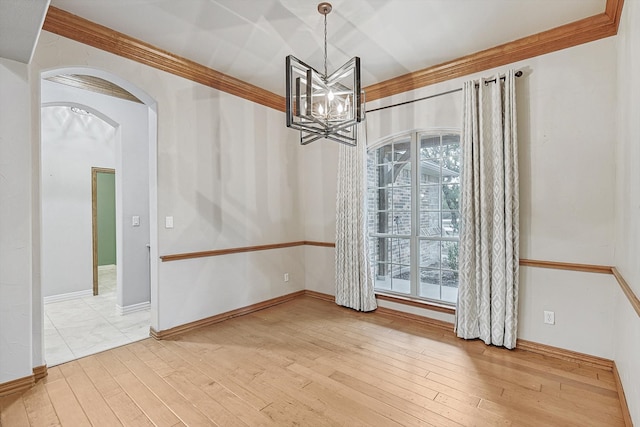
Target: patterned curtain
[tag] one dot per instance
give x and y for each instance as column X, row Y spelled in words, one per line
column 489, row 239
column 354, row 278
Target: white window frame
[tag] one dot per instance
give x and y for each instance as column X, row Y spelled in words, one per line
column 414, row 237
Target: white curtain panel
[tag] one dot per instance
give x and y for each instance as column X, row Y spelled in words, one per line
column 354, row 278
column 489, row 237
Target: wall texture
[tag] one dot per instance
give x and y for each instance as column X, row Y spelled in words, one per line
column 130, row 158
column 15, row 222
column 71, row 145
column 627, row 191
column 230, row 176
column 227, row 172
column 566, row 119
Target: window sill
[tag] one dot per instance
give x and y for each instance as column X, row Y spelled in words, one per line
column 443, row 308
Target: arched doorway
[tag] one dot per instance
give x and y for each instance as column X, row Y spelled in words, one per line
column 92, row 102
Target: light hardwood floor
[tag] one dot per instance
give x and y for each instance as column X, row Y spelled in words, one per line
column 309, row 362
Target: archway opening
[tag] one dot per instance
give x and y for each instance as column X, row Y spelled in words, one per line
column 86, row 112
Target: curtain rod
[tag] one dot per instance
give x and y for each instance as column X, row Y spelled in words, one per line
column 518, row 74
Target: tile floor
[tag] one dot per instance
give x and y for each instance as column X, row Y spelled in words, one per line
column 84, row 326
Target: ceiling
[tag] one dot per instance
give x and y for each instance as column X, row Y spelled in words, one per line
column 249, row 39
column 20, row 23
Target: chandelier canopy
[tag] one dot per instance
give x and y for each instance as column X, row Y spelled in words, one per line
column 321, row 105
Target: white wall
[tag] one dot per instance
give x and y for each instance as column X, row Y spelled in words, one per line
column 627, row 250
column 130, row 157
column 16, row 356
column 566, row 120
column 318, row 180
column 71, row 145
column 227, row 173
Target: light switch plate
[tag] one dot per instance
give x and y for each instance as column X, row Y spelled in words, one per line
column 168, row 222
column 135, row 221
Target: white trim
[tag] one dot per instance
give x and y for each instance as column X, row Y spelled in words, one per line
column 386, row 139
column 105, row 75
column 67, row 297
column 122, row 311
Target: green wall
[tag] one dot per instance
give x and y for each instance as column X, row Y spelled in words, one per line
column 106, row 210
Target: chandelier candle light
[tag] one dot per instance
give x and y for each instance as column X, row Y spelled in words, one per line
column 322, row 105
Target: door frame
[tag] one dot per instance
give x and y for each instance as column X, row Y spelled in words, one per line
column 94, row 220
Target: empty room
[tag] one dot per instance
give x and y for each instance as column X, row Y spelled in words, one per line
column 286, row 212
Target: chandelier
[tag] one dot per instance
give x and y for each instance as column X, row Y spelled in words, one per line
column 322, row 105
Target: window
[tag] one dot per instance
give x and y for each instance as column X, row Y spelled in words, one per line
column 413, row 201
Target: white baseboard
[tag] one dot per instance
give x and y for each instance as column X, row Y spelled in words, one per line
column 132, row 308
column 68, row 297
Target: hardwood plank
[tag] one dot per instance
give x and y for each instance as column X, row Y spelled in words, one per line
column 475, row 371
column 191, row 383
column 53, row 374
column 565, row 409
column 198, row 374
column 39, row 408
column 413, row 383
column 66, row 405
column 159, row 414
column 238, row 406
column 120, row 403
column 393, row 415
column 283, row 408
column 425, row 409
column 308, row 361
column 580, row 398
column 477, row 416
column 13, row 411
column 626, row 414
column 189, row 352
column 316, row 398
column 546, row 363
column 251, row 380
column 203, row 402
column 550, row 374
column 184, row 410
column 525, row 416
column 93, row 403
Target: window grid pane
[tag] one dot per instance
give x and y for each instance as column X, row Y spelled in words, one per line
column 389, row 199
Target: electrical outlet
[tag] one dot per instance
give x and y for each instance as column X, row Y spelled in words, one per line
column 286, row 277
column 549, row 317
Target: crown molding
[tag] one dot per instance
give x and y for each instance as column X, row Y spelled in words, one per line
column 573, row 34
column 84, row 31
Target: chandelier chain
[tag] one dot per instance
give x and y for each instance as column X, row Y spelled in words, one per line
column 325, row 47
